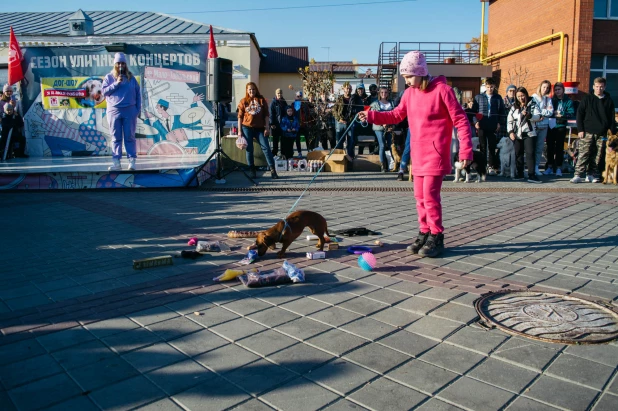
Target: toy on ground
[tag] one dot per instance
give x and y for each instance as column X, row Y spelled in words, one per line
column 250, row 258
column 367, row 261
column 296, row 274
column 311, row 237
column 242, row 234
column 379, row 243
column 207, row 246
column 153, row 262
column 286, row 274
column 316, row 255
column 230, row 274
column 192, row 241
column 351, row 232
column 358, row 249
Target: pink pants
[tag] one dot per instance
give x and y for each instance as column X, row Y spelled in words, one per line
column 428, row 203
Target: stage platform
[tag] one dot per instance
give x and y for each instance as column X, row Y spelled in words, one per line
column 49, row 173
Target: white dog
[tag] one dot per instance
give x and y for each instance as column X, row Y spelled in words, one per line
column 95, row 91
column 507, row 156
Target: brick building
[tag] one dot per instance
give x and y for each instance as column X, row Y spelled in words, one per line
column 590, row 50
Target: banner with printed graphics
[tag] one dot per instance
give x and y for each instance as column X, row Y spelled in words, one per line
column 65, row 115
column 73, row 92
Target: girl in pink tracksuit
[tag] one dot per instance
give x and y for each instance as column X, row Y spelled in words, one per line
column 432, row 111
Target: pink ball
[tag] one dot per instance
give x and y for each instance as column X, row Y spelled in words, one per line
column 367, row 261
column 192, row 241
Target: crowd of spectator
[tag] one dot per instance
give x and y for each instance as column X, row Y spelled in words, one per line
column 536, row 123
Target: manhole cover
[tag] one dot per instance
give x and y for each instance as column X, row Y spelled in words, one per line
column 548, row 317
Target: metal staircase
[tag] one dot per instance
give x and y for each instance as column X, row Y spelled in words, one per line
column 391, row 54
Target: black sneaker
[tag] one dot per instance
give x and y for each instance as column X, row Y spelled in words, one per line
column 532, row 178
column 418, row 243
column 433, row 246
column 400, row 176
column 252, row 172
column 273, row 173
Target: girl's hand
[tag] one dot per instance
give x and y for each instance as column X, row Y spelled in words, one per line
column 266, row 132
column 362, row 116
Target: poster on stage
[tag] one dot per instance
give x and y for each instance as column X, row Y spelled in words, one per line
column 61, row 93
column 65, row 112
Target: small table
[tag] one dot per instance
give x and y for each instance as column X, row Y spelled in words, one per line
column 228, row 144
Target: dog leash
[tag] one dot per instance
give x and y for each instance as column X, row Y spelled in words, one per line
column 345, row 133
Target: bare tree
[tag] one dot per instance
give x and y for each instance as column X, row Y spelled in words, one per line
column 518, row 76
column 317, row 86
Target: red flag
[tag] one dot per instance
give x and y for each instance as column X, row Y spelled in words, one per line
column 212, row 46
column 15, row 57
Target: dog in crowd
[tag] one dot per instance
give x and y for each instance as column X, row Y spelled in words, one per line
column 397, row 147
column 286, row 231
column 611, row 159
column 507, row 157
column 479, row 164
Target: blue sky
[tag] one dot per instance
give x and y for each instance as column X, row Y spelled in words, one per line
column 353, row 31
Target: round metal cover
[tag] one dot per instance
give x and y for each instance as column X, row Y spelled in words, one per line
column 548, row 317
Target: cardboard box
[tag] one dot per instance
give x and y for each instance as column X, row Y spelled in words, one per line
column 331, row 246
column 318, row 154
column 368, row 162
column 338, row 162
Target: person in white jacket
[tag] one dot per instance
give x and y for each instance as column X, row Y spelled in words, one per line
column 520, row 121
column 544, row 103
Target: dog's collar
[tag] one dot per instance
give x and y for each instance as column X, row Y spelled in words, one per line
column 285, row 221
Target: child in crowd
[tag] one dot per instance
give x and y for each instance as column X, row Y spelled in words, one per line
column 432, row 110
column 289, row 127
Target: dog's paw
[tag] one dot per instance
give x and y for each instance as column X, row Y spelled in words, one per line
column 280, row 255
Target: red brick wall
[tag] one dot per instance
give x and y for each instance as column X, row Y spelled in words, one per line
column 513, row 23
column 604, row 35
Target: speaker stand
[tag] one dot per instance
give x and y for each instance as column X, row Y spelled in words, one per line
column 219, row 177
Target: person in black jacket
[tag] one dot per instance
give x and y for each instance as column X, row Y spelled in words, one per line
column 277, row 112
column 595, row 117
column 490, row 107
column 11, row 120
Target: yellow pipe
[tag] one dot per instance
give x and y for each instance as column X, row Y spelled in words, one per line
column 482, row 30
column 531, row 44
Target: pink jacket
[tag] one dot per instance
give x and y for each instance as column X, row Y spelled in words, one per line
column 431, row 116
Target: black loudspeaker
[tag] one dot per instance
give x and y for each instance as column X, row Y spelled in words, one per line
column 219, row 85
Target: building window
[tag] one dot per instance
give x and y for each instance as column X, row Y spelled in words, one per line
column 606, row 9
column 605, row 66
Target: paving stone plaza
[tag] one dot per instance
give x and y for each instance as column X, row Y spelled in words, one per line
column 82, row 330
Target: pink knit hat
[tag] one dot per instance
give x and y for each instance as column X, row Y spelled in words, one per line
column 414, row 64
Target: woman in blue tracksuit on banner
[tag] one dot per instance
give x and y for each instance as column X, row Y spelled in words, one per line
column 124, row 103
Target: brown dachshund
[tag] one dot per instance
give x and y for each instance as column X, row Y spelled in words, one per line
column 286, row 233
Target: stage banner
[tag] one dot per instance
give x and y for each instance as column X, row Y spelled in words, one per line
column 65, row 111
column 73, row 92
